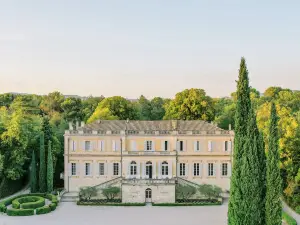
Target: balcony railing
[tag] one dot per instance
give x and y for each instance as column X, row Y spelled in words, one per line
column 149, row 181
column 149, row 153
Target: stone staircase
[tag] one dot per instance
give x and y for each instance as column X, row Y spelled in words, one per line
column 73, row 196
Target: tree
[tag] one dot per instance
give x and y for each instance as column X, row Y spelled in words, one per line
column 6, row 99
column 50, row 170
column 33, row 177
column 89, row 105
column 184, row 192
column 191, row 104
column 52, row 103
column 210, row 191
column 157, row 108
column 243, row 105
column 111, row 192
column 252, row 184
column 46, row 128
column 42, row 173
column 114, row 108
column 273, row 201
column 72, row 109
column 87, row 193
column 144, row 108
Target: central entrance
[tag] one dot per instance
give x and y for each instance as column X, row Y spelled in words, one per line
column 149, row 170
column 148, row 195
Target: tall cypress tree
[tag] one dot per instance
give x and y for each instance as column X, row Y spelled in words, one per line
column 42, row 173
column 33, row 178
column 235, row 215
column 47, row 132
column 49, row 169
column 273, row 203
column 251, row 186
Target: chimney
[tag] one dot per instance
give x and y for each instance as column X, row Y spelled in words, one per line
column 82, row 123
column 229, row 128
column 70, row 126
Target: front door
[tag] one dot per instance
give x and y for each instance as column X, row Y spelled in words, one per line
column 148, row 195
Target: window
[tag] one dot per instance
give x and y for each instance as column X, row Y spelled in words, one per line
column 166, row 145
column 180, row 145
column 101, row 169
column 198, row 146
column 73, row 169
column 196, row 169
column 226, row 147
column 101, row 145
column 148, row 145
column 148, row 168
column 133, row 145
column 87, row 169
column 224, row 169
column 210, row 169
column 164, row 169
column 87, row 145
column 116, row 169
column 73, row 146
column 182, row 169
column 133, row 168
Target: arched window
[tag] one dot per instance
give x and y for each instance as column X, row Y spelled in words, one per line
column 164, row 169
column 133, row 168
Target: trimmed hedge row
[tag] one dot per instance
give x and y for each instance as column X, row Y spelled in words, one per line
column 43, row 210
column 28, row 202
column 27, row 212
column 287, row 218
column 188, row 204
column 109, row 204
column 20, row 212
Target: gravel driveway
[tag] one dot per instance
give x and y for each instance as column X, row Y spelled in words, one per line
column 71, row 214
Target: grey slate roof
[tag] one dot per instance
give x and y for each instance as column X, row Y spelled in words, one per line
column 157, row 125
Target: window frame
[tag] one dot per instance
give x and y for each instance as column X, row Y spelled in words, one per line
column 100, row 165
column 165, row 169
column 73, row 168
column 133, row 168
column 196, row 170
column 87, row 169
column 210, row 168
column 181, row 147
column 90, row 146
column 182, row 171
column 166, row 145
column 150, row 145
column 116, row 168
column 224, row 169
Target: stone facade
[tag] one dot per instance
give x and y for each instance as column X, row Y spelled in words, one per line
column 196, row 151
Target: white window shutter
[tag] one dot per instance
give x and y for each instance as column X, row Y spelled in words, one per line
column 224, row 144
column 195, row 146
column 200, row 169
column 162, row 145
column 186, row 169
column 145, row 145
column 153, row 145
column 229, row 169
column 209, row 146
column 170, row 174
column 94, row 145
column 75, row 145
column 193, row 169
column 70, row 169
column 114, row 145
column 102, row 145
column 229, row 146
column 221, row 169
column 143, row 170
column 128, row 170
column 159, row 170
column 178, row 169
column 178, row 146
column 91, row 169
column 138, row 170
column 215, row 169
column 184, row 146
column 83, row 145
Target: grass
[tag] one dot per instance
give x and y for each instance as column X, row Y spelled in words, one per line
column 288, row 219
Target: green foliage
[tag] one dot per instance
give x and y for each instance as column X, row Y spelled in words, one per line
column 43, row 210
column 111, row 192
column 49, row 169
column 6, row 99
column 288, row 219
column 157, row 108
column 274, row 190
column 72, row 108
column 110, row 204
column 210, row 191
column 87, row 193
column 191, row 104
column 42, row 173
column 28, row 202
column 89, row 105
column 52, row 103
column 144, row 108
column 20, row 212
column 53, row 206
column 33, row 177
column 114, row 108
column 188, row 204
column 184, row 191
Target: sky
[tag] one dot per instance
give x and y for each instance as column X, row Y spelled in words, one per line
column 154, row 48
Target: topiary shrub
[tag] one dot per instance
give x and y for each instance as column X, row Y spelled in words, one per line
column 20, row 212
column 43, row 210
column 30, row 202
column 16, row 204
column 53, row 206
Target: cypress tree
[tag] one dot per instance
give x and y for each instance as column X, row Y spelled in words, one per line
column 49, row 169
column 251, row 186
column 235, row 215
column 33, row 178
column 46, row 128
column 42, row 173
column 273, row 202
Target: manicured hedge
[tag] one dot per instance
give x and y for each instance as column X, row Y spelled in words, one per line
column 20, row 212
column 43, row 210
column 196, row 201
column 28, row 202
column 188, row 204
column 287, row 218
column 53, row 206
column 110, row 204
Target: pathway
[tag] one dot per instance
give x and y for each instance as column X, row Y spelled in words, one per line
column 292, row 213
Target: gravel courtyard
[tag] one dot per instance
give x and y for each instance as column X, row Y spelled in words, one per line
column 71, row 214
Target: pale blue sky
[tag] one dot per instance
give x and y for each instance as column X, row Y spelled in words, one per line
column 155, row 48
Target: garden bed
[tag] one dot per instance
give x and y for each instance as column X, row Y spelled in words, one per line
column 103, row 202
column 191, row 202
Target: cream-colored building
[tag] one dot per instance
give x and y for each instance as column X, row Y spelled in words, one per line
column 146, row 157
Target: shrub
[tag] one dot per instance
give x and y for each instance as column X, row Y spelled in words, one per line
column 111, row 192
column 43, row 210
column 188, row 204
column 287, row 218
column 31, row 202
column 185, row 191
column 87, row 192
column 210, row 191
column 297, row 209
column 16, row 204
column 109, row 204
column 20, row 212
column 53, row 206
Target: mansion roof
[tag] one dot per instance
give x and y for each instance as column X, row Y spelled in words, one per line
column 157, row 125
